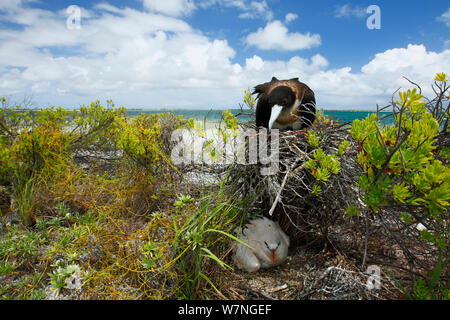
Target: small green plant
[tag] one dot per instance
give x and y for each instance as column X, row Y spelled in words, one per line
column 68, row 276
column 7, row 267
column 19, row 245
column 313, row 138
column 343, row 147
column 322, row 166
column 152, row 254
column 316, row 190
column 182, row 200
column 209, row 225
column 249, row 100
column 352, row 210
column 25, row 201
column 63, row 209
column 231, row 121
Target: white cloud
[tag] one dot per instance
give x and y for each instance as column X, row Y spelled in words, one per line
column 255, row 63
column 107, row 7
column 275, row 36
column 13, row 4
column 347, row 10
column 174, row 8
column 143, row 59
column 130, row 55
column 379, row 78
column 445, row 18
column 447, row 44
column 257, row 9
column 251, row 9
column 290, row 17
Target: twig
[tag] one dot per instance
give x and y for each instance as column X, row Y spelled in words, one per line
column 389, row 156
column 413, row 83
column 365, row 240
column 277, row 199
column 262, row 293
column 6, row 129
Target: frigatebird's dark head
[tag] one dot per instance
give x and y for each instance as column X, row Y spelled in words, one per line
column 284, row 104
column 281, row 97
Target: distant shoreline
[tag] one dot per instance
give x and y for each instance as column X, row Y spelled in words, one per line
column 215, row 115
column 214, row 109
column 163, row 109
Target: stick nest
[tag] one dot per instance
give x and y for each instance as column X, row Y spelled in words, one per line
column 287, row 196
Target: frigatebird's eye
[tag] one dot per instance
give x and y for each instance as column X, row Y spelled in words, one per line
column 284, row 102
column 266, row 245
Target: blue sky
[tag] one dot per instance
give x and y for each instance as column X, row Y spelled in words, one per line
column 193, row 53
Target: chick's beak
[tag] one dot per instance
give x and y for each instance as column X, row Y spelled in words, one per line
column 273, row 256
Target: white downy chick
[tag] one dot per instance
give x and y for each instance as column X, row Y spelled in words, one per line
column 269, row 245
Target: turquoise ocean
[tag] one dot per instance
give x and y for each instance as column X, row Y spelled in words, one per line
column 215, row 115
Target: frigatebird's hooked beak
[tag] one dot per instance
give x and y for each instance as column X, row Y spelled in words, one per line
column 275, row 112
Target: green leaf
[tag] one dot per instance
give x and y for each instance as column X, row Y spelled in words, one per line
column 201, row 274
column 407, row 218
column 426, row 236
column 212, row 256
column 322, row 174
column 311, row 164
column 316, row 190
column 441, row 77
column 400, row 192
column 230, row 236
column 343, row 146
column 313, row 138
column 352, row 210
column 319, row 154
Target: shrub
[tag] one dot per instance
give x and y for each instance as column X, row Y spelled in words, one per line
column 406, row 181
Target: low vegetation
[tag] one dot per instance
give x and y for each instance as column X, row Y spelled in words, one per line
column 93, row 207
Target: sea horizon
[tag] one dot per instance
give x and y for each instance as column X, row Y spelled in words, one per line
column 215, row 115
column 332, row 108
